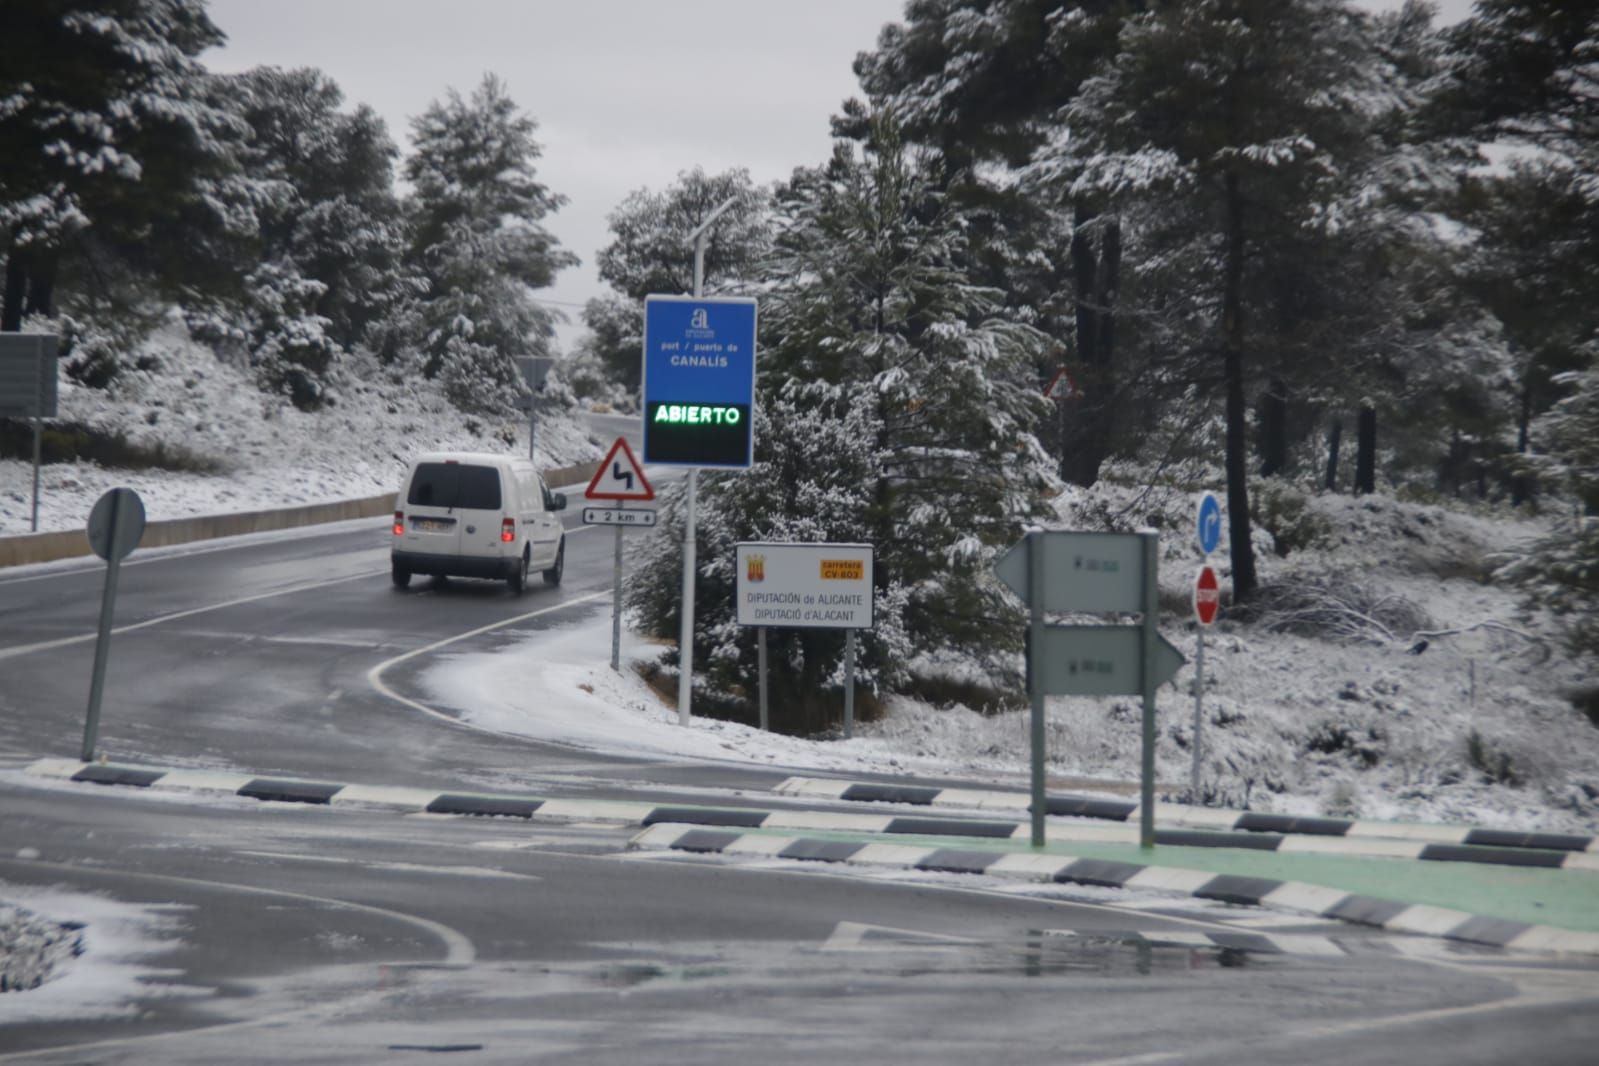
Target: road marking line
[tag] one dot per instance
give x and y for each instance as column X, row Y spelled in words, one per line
column 402, row 867
column 11, row 653
column 374, row 676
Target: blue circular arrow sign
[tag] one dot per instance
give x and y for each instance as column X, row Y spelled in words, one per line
column 1207, row 525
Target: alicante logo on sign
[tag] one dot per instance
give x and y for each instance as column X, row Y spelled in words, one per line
column 755, row 568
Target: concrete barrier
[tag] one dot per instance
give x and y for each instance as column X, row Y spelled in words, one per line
column 68, row 544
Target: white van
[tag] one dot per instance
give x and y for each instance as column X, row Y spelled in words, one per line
column 469, row 514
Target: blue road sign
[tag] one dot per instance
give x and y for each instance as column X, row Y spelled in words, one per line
column 699, row 381
column 1208, row 523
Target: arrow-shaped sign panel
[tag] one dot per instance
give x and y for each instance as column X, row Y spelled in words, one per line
column 620, row 477
column 1090, row 572
column 1100, row 661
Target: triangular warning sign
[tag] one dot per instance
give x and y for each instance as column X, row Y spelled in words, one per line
column 620, row 477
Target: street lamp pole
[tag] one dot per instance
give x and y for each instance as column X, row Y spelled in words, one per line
column 685, row 641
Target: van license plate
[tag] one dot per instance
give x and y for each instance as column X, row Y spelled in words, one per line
column 431, row 525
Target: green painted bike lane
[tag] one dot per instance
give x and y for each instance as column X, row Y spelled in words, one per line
column 1565, row 899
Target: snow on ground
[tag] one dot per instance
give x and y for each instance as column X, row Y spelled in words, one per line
column 93, row 957
column 264, row 452
column 1437, row 698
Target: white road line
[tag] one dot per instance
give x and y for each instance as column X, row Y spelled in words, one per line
column 398, row 867
column 374, row 676
column 11, row 653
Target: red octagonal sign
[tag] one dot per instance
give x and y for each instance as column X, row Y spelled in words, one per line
column 1207, row 595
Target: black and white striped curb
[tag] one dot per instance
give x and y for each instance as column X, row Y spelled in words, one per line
column 623, row 812
column 327, row 793
column 1269, row 832
column 1322, row 902
column 1255, row 942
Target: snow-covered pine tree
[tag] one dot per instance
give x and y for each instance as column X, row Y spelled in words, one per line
column 872, row 294
column 330, row 234
column 982, row 83
column 342, row 224
column 899, row 405
column 1527, row 75
column 650, row 253
column 118, row 181
column 476, row 212
column 1238, row 128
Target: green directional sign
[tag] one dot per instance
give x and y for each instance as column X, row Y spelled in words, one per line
column 1091, row 573
column 1096, row 573
column 1100, row 661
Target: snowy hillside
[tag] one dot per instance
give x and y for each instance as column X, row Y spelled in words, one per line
column 1385, row 675
column 254, row 451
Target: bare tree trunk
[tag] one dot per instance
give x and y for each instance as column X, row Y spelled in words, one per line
column 15, row 292
column 1522, row 485
column 1335, row 437
column 1366, row 452
column 1274, row 429
column 41, row 286
column 1237, row 459
column 1096, row 269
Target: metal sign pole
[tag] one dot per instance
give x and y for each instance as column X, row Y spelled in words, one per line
column 1199, row 704
column 616, row 604
column 102, row 645
column 685, row 645
column 849, row 684
column 37, row 434
column 1035, row 686
column 1146, row 811
column 685, row 635
column 760, row 655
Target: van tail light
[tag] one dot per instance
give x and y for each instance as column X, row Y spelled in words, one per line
column 399, row 523
column 508, row 530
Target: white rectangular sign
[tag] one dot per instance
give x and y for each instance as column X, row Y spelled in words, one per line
column 618, row 516
column 819, row 586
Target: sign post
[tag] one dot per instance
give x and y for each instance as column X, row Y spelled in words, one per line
column 535, row 368
column 1207, row 598
column 805, row 586
column 28, row 389
column 115, row 527
column 699, row 403
column 619, row 478
column 1101, row 573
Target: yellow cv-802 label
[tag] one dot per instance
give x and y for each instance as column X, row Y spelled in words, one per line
column 843, row 569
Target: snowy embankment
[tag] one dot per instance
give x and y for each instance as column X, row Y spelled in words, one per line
column 1388, row 677
column 251, row 451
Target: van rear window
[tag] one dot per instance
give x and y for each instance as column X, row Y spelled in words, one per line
column 471, row 488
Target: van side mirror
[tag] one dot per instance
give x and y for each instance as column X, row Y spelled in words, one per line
column 556, row 502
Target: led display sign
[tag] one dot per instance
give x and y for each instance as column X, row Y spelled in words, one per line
column 699, row 381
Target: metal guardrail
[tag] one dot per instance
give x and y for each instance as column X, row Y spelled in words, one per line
column 70, row 543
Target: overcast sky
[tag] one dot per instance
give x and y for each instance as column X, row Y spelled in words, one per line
column 627, row 93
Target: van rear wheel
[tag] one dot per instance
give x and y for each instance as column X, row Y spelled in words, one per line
column 552, row 576
column 400, row 575
column 518, row 578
